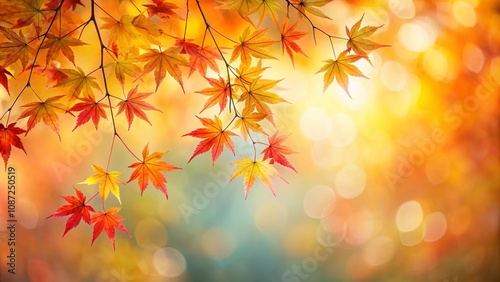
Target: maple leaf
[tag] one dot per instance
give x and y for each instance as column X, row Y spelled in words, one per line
column 107, row 221
column 248, row 121
column 250, row 169
column 219, row 92
column 135, row 106
column 163, row 62
column 162, row 9
column 247, row 74
column 124, row 34
column 55, row 44
column 16, row 49
column 199, row 57
column 251, row 44
column 288, row 38
column 276, row 152
column 310, row 6
column 3, row 78
column 243, row 7
column 340, row 69
column 107, row 182
column 28, row 12
column 89, row 108
column 77, row 208
column 79, row 83
column 124, row 67
column 66, row 5
column 147, row 30
column 46, row 110
column 149, row 169
column 358, row 38
column 214, row 137
column 8, row 138
column 257, row 95
column 51, row 72
column 270, row 7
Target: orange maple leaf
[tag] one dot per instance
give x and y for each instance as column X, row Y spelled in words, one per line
column 214, row 137
column 219, row 93
column 16, row 49
column 251, row 45
column 124, row 34
column 107, row 221
column 163, row 62
column 135, row 106
column 27, row 12
column 288, row 38
column 46, row 110
column 8, row 138
column 358, row 38
column 340, row 69
column 56, row 44
column 77, row 208
column 149, row 169
column 249, row 121
column 89, row 108
column 276, row 152
column 250, row 169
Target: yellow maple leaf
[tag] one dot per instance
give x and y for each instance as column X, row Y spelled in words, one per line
column 250, row 169
column 358, row 38
column 108, row 182
column 340, row 69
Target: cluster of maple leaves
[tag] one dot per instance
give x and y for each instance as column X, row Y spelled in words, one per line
column 37, row 36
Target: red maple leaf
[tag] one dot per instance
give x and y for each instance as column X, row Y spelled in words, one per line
column 89, row 109
column 135, row 106
column 107, row 221
column 276, row 151
column 53, row 4
column 77, row 208
column 162, row 9
column 3, row 78
column 199, row 57
column 214, row 137
column 8, row 137
column 149, row 169
column 51, row 72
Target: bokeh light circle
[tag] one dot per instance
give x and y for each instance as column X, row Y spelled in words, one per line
column 218, row 243
column 379, row 250
column 319, row 201
column 435, row 226
column 315, row 124
column 409, row 216
column 343, row 130
column 350, row 181
column 169, row 262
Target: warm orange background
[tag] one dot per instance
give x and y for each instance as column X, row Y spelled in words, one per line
column 399, row 183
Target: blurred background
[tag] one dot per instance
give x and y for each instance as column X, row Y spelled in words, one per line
column 399, row 183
